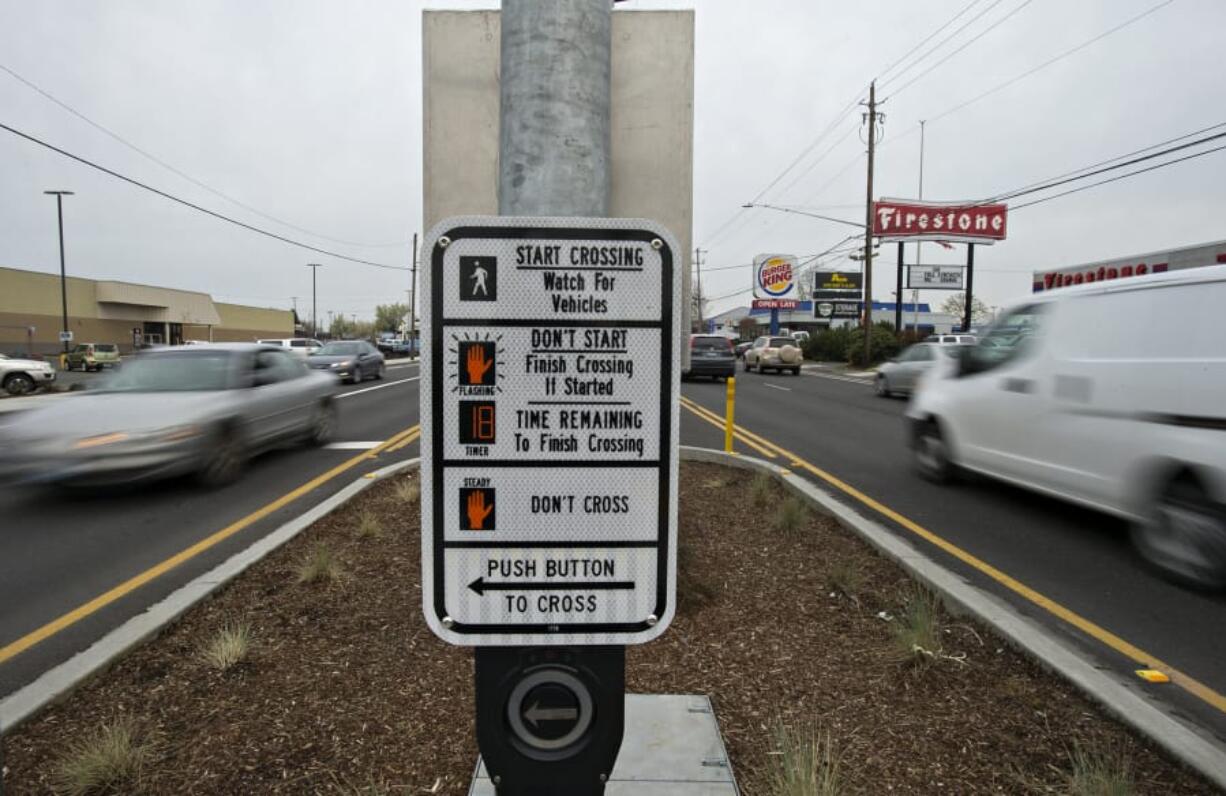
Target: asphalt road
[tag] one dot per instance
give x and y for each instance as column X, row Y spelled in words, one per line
column 1076, row 557
column 59, row 550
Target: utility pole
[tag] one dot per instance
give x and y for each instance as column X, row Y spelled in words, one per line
column 413, row 303
column 698, row 264
column 871, row 116
column 918, row 244
column 314, row 322
column 59, row 209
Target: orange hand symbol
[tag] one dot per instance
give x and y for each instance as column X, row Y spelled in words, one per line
column 477, row 510
column 477, row 364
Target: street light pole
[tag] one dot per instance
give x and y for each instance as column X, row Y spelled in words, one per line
column 59, row 209
column 314, row 322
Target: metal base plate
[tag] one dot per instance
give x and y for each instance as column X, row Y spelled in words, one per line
column 672, row 747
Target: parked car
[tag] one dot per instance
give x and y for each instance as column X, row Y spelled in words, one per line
column 355, row 360
column 951, row 339
column 1089, row 394
column 901, row 373
column 93, row 356
column 775, row 353
column 21, row 376
column 301, row 346
column 711, row 355
column 201, row 409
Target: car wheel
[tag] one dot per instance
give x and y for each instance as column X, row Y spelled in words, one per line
column 1184, row 536
column 882, row 386
column 796, row 371
column 357, row 377
column 225, row 459
column 932, row 455
column 748, row 367
column 18, row 384
column 323, row 424
column 379, row 373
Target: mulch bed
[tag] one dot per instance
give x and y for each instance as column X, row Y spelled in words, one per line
column 346, row 690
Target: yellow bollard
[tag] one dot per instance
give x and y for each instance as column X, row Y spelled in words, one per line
column 728, row 411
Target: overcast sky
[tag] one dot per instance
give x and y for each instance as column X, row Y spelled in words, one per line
column 311, row 112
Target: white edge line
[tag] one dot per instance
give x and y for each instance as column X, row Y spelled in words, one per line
column 339, row 396
column 58, row 682
column 777, row 387
column 1191, row 745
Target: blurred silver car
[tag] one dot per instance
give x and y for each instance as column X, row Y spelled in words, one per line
column 355, row 360
column 201, row 409
column 902, row 373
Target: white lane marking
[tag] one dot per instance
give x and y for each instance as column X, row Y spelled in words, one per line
column 353, row 446
column 403, row 365
column 376, row 387
column 777, row 387
column 866, row 382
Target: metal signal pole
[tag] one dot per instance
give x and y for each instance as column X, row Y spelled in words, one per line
column 314, row 323
column 871, row 116
column 413, row 303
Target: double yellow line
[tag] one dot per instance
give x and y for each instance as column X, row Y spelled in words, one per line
column 1102, row 635
column 8, row 651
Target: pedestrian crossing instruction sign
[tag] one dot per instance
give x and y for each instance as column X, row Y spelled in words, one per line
column 549, row 416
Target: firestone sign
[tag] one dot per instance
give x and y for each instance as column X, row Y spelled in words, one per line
column 549, row 415
column 775, row 276
column 895, row 220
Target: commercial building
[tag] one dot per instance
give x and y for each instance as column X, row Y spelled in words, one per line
column 914, row 316
column 1132, row 265
column 123, row 313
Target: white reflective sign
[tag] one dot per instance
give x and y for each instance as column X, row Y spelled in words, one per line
column 934, row 277
column 549, row 430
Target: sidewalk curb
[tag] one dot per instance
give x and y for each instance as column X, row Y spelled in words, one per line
column 57, row 683
column 1187, row 744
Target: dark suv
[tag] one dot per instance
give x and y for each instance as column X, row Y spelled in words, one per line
column 710, row 355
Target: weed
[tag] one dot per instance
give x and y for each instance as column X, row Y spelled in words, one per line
column 369, row 526
column 847, row 579
column 1099, row 772
column 319, row 565
column 791, row 515
column 408, row 491
column 761, row 489
column 804, row 762
column 109, row 761
column 228, row 647
column 917, row 631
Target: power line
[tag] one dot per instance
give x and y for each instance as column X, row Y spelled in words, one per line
column 197, row 207
column 1051, row 61
column 966, row 44
column 1119, row 177
column 930, row 37
column 187, row 177
column 946, row 40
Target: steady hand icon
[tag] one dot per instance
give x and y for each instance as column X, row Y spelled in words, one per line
column 477, row 364
column 477, row 510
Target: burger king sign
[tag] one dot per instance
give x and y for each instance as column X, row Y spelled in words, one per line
column 774, row 276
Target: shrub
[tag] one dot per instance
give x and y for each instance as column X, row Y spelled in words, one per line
column 804, row 762
column 761, row 489
column 110, row 761
column 917, row 631
column 228, row 647
column 828, row 345
column 408, row 491
column 883, row 344
column 369, row 526
column 1099, row 773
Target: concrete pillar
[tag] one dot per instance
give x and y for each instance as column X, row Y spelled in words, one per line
column 554, row 134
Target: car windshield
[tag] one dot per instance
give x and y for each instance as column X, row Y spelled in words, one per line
column 196, row 371
column 339, row 350
column 708, row 343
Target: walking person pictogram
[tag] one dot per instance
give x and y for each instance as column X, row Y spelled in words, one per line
column 478, row 279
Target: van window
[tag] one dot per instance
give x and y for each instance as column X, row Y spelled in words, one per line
column 1008, row 340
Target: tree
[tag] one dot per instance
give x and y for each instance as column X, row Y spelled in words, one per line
column 956, row 305
column 748, row 328
column 390, row 317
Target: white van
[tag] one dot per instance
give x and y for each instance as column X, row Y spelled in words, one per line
column 1111, row 395
column 301, row 346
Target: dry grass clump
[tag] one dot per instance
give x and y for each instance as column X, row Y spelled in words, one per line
column 791, row 515
column 761, row 489
column 847, row 579
column 228, row 647
column 408, row 491
column 370, row 526
column 803, row 761
column 917, row 630
column 320, row 566
column 1099, row 772
column 111, row 760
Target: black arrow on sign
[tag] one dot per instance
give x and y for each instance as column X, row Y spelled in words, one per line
column 480, row 586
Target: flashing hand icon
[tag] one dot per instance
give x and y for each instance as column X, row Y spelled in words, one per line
column 477, row 365
column 477, row 510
